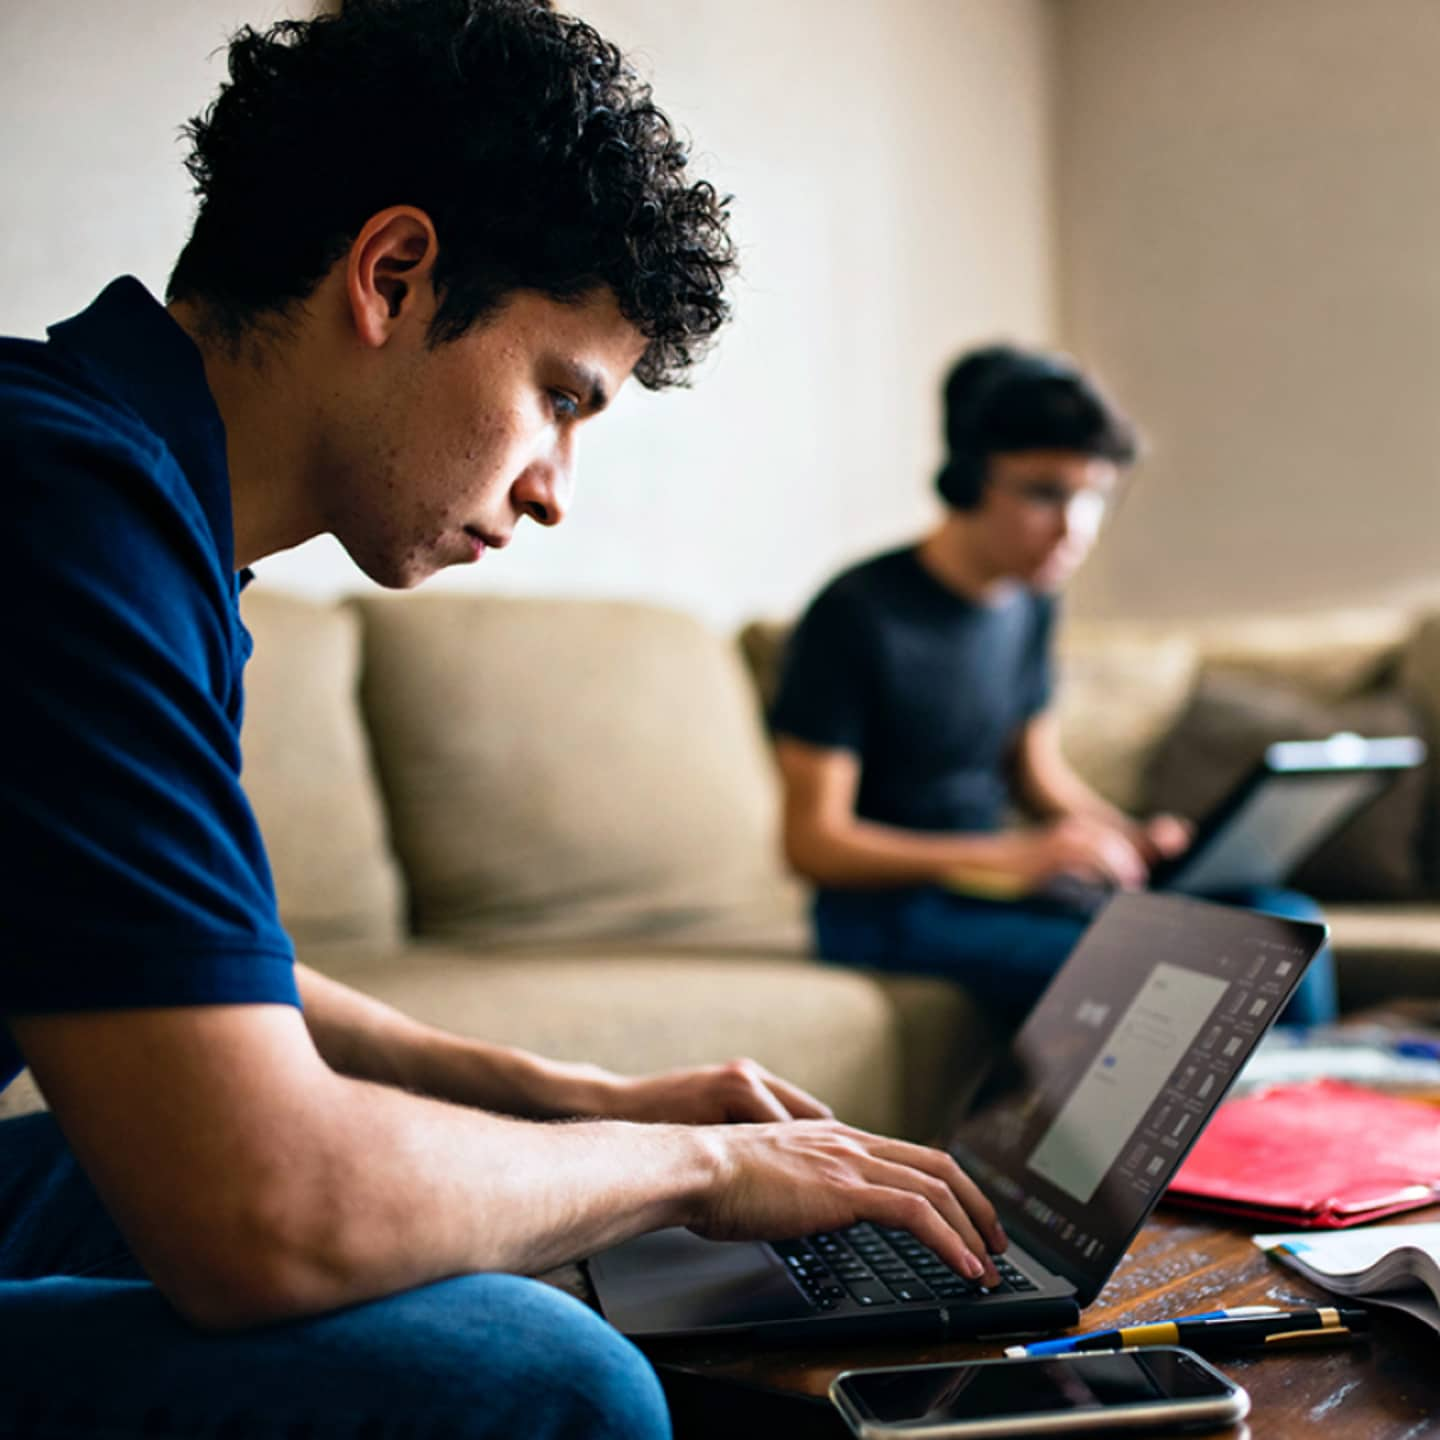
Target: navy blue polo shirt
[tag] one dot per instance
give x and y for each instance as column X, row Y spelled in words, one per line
column 132, row 872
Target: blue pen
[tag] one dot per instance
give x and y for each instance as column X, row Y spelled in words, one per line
column 1067, row 1343
column 1414, row 1048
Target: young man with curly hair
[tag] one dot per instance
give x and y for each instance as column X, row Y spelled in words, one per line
column 434, row 239
column 914, row 713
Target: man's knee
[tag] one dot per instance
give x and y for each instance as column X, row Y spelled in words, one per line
column 607, row 1384
column 545, row 1362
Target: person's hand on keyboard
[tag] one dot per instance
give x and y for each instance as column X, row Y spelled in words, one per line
column 1089, row 848
column 737, row 1090
column 772, row 1182
column 1163, row 837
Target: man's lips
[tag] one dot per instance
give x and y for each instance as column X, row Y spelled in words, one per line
column 484, row 540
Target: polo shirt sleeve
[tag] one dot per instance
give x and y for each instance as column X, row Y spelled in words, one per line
column 134, row 873
column 825, row 692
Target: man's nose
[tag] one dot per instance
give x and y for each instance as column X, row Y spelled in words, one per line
column 1083, row 516
column 543, row 491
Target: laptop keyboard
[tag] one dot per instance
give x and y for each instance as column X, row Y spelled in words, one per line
column 877, row 1265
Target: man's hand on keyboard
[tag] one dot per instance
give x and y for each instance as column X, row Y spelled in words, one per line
column 777, row 1181
column 737, row 1090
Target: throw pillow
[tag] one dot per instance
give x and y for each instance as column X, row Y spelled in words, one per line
column 1118, row 693
column 1224, row 732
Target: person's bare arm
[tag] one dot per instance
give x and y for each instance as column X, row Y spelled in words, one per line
column 1048, row 785
column 364, row 1038
column 827, row 843
column 257, row 1184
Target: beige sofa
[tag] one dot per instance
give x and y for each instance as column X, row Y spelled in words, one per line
column 552, row 823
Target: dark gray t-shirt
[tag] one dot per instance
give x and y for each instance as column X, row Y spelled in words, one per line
column 928, row 689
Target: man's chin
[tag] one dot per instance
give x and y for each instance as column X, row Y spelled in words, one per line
column 1049, row 578
column 392, row 572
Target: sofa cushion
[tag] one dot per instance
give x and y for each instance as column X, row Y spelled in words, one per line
column 1224, row 732
column 21, row 1096
column 309, row 778
column 762, row 645
column 568, row 768
column 1385, row 951
column 1327, row 655
column 886, row 1057
column 1118, row 691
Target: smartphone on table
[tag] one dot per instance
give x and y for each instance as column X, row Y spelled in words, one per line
column 1157, row 1387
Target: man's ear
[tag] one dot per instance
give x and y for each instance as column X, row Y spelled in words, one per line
column 388, row 273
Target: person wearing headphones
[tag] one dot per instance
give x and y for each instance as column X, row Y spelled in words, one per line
column 914, row 713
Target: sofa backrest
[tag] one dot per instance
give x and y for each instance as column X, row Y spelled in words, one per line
column 309, row 776
column 1125, row 684
column 564, row 769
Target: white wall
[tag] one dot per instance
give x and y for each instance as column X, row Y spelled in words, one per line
column 1250, row 233
column 92, row 97
column 892, row 167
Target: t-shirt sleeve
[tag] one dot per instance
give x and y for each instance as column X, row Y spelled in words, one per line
column 1038, row 685
column 134, row 872
column 824, row 694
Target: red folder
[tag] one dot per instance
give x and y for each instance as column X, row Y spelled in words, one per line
column 1321, row 1154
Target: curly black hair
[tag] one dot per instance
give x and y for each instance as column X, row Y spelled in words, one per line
column 529, row 140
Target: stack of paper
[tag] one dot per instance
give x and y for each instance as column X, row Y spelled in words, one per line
column 1363, row 1057
column 1394, row 1265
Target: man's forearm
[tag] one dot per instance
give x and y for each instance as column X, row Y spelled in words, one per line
column 366, row 1039
column 862, row 853
column 1049, row 787
column 1063, row 795
column 256, row 1184
column 416, row 1190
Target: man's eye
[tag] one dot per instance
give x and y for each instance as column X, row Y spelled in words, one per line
column 566, row 407
column 1053, row 497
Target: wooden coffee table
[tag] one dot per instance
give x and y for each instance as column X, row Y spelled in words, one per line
column 1384, row 1388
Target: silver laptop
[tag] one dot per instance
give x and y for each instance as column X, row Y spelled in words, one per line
column 1074, row 1139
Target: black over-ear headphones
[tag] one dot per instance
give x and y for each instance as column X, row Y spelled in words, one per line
column 971, row 391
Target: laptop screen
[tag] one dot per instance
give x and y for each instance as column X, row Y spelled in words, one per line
column 1300, row 793
column 1278, row 823
column 1113, row 1076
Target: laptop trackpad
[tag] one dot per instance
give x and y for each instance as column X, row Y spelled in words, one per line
column 670, row 1281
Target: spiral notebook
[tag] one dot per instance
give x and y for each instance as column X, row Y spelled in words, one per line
column 1319, row 1155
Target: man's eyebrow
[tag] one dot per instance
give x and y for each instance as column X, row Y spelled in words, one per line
column 591, row 381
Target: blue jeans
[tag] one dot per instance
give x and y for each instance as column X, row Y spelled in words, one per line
column 1005, row 952
column 88, row 1347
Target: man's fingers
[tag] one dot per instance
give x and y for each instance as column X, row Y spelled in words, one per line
column 942, row 1200
column 907, row 1209
column 755, row 1102
column 1121, row 859
column 971, row 1197
column 1169, row 835
column 800, row 1103
column 757, row 1094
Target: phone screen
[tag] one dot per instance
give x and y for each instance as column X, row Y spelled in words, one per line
column 1030, row 1387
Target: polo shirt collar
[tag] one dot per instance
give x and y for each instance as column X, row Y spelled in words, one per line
column 144, row 359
